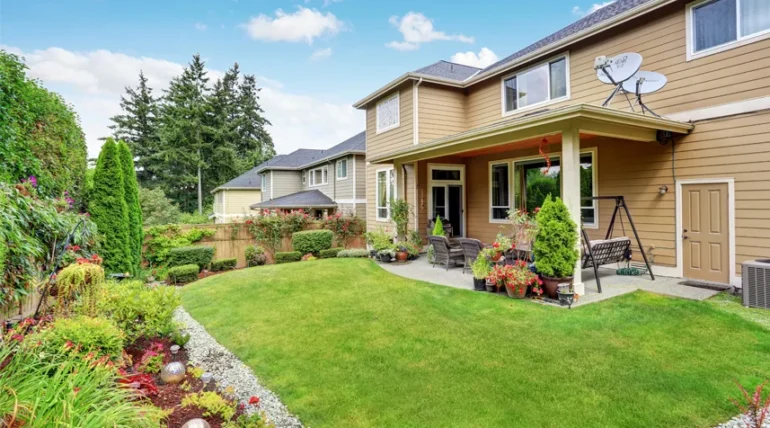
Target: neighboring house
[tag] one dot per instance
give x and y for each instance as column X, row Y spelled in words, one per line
column 232, row 199
column 321, row 181
column 463, row 142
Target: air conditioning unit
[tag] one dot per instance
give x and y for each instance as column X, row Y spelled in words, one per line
column 756, row 284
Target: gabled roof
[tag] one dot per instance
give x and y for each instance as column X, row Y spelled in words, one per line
column 306, row 199
column 304, row 158
column 603, row 19
column 448, row 70
column 250, row 179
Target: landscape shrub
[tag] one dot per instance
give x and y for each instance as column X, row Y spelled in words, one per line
column 162, row 239
column 255, row 256
column 270, row 227
column 312, row 241
column 344, row 226
column 211, row 403
column 157, row 209
column 355, row 253
column 140, row 310
column 131, row 192
column 99, row 335
column 79, row 280
column 198, row 255
column 38, row 391
column 330, row 253
column 183, row 274
column 223, row 264
column 109, row 210
column 288, row 257
column 555, row 247
column 379, row 240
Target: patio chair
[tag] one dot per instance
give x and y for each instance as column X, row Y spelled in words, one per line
column 443, row 254
column 471, row 249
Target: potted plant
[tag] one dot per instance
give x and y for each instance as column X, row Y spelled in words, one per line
column 515, row 278
column 386, row 255
column 555, row 248
column 378, row 240
column 566, row 293
column 481, row 269
column 402, row 253
column 502, row 243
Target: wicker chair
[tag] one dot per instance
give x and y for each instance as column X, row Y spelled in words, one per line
column 443, row 254
column 471, row 249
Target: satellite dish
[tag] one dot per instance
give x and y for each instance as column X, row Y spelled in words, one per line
column 650, row 82
column 620, row 68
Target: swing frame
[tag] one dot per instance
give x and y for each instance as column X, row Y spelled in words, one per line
column 620, row 202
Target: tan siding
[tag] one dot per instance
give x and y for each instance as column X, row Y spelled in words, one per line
column 441, row 112
column 360, row 166
column 396, row 138
column 371, row 205
column 238, row 201
column 285, row 183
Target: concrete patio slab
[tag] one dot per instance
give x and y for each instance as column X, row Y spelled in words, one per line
column 612, row 284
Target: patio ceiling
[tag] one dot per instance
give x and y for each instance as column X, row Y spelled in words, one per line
column 521, row 131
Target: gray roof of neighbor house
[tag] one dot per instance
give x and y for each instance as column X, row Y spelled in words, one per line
column 305, row 199
column 607, row 17
column 250, row 179
column 449, row 70
column 303, row 158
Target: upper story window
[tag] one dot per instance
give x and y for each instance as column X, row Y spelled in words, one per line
column 342, row 169
column 319, row 176
column 543, row 83
column 304, row 177
column 717, row 25
column 388, row 113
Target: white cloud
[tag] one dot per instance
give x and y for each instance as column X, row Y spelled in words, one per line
column 326, row 2
column 484, row 58
column 303, row 25
column 321, row 54
column 577, row 10
column 94, row 81
column 200, row 27
column 416, row 28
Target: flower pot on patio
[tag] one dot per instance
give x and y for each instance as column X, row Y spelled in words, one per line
column 566, row 294
column 479, row 284
column 516, row 292
column 401, row 256
column 551, row 285
column 491, row 287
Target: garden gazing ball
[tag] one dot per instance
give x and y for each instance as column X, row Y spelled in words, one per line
column 206, row 377
column 173, row 372
column 196, row 423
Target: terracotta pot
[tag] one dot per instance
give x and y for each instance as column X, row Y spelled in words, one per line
column 551, row 285
column 516, row 294
column 498, row 256
column 401, row 256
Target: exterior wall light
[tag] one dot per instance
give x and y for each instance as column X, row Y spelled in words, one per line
column 663, row 189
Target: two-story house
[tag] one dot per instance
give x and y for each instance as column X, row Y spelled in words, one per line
column 233, row 199
column 471, row 144
column 321, row 181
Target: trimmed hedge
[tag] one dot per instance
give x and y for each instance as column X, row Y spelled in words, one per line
column 198, row 255
column 312, row 241
column 288, row 257
column 223, row 264
column 355, row 253
column 183, row 274
column 330, row 253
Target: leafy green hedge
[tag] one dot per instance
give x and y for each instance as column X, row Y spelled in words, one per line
column 200, row 255
column 355, row 253
column 140, row 310
column 288, row 257
column 330, row 253
column 312, row 241
column 183, row 274
column 223, row 264
column 99, row 335
column 255, row 256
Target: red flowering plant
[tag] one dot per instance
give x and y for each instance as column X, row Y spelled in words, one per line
column 516, row 277
column 344, row 226
column 270, row 227
column 152, row 359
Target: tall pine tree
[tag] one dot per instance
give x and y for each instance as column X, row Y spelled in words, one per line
column 109, row 211
column 138, row 125
column 255, row 144
column 131, row 190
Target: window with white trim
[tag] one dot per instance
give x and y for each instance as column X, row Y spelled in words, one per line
column 319, row 176
column 538, row 85
column 500, row 195
column 342, row 169
column 304, row 177
column 385, row 192
column 388, row 113
column 719, row 24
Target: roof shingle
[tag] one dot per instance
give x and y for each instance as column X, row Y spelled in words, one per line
column 305, row 199
column 449, row 70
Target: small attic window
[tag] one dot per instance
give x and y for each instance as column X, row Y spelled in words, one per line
column 388, row 113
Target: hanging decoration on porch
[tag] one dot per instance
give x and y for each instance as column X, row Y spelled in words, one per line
column 543, row 150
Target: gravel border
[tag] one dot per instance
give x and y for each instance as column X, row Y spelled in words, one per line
column 741, row 422
column 204, row 351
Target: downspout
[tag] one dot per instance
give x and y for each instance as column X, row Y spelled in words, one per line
column 415, row 112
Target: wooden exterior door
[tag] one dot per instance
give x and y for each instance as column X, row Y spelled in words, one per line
column 705, row 235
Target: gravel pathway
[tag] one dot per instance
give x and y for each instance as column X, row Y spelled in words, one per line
column 204, row 351
column 742, row 422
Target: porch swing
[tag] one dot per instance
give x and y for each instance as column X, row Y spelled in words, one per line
column 612, row 250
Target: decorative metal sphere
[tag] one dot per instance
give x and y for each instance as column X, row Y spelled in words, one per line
column 173, row 372
column 196, row 423
column 206, row 377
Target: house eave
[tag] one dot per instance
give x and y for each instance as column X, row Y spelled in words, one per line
column 362, row 103
column 259, row 189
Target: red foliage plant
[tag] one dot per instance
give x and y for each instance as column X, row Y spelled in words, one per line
column 755, row 408
column 143, row 383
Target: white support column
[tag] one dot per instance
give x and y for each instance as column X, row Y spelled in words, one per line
column 570, row 188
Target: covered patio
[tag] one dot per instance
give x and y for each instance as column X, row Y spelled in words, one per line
column 475, row 177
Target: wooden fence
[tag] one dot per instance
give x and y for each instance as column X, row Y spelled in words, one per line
column 23, row 309
column 231, row 240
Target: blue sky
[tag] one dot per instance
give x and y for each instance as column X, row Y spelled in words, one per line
column 314, row 58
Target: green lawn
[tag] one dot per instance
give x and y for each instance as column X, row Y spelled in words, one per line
column 345, row 344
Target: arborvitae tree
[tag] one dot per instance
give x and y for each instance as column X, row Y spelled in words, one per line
column 109, row 210
column 131, row 190
column 254, row 142
column 138, row 127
